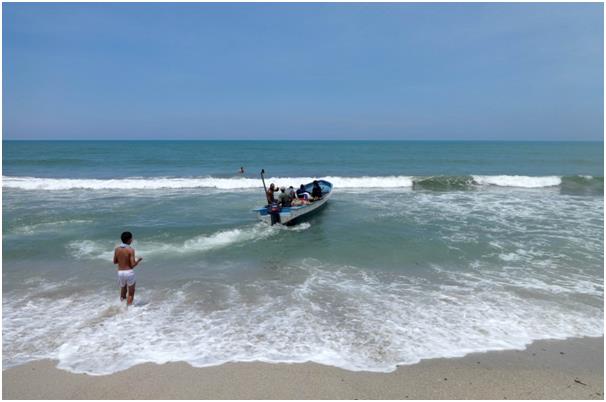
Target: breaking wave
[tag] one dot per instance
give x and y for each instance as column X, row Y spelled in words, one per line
column 152, row 183
column 341, row 316
column 519, row 181
column 103, row 250
column 578, row 183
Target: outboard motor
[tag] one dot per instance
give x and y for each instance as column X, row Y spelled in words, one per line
column 274, row 212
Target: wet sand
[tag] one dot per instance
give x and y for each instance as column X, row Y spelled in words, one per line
column 569, row 369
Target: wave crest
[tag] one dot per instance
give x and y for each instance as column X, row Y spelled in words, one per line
column 340, row 182
column 103, row 250
column 153, row 183
column 519, row 181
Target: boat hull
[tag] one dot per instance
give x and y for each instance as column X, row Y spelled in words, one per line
column 295, row 214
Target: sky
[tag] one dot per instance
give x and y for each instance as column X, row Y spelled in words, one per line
column 469, row 71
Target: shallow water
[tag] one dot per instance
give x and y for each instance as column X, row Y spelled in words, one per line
column 426, row 249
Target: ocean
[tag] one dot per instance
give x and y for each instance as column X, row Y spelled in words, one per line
column 426, row 249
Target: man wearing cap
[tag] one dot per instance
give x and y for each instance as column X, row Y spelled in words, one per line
column 283, row 197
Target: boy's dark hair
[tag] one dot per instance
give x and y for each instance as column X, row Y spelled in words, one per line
column 126, row 236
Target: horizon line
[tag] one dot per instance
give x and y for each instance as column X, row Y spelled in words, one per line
column 304, row 140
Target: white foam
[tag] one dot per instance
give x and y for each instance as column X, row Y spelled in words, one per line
column 335, row 315
column 509, row 257
column 103, row 250
column 226, row 238
column 297, row 228
column 155, row 183
column 88, row 249
column 519, row 181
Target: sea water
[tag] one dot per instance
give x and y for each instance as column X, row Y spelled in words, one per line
column 425, row 249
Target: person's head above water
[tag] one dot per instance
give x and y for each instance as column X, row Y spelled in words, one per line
column 126, row 237
column 302, row 187
column 282, row 189
column 272, row 186
column 315, row 182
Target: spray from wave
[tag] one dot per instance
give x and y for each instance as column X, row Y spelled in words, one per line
column 103, row 250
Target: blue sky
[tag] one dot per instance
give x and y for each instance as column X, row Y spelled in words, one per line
column 303, row 71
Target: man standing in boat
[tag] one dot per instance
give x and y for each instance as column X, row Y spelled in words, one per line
column 270, row 194
column 316, row 192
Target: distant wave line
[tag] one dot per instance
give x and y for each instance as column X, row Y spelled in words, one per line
column 156, row 183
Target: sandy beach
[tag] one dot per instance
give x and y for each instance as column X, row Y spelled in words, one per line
column 570, row 369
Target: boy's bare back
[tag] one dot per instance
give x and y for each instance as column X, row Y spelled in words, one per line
column 125, row 258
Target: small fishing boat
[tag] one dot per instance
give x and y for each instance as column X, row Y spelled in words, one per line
column 291, row 215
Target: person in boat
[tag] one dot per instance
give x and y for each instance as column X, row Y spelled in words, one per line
column 283, row 198
column 316, row 192
column 124, row 257
column 302, row 194
column 270, row 194
column 303, row 197
column 291, row 193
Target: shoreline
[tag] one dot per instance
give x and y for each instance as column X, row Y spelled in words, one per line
column 546, row 369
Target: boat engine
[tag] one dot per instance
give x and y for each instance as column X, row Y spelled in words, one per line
column 274, row 212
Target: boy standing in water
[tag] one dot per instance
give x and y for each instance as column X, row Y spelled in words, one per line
column 124, row 256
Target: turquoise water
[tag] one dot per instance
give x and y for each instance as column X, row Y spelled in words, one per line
column 426, row 249
column 109, row 159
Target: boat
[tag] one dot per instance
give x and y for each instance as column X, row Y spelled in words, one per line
column 296, row 213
